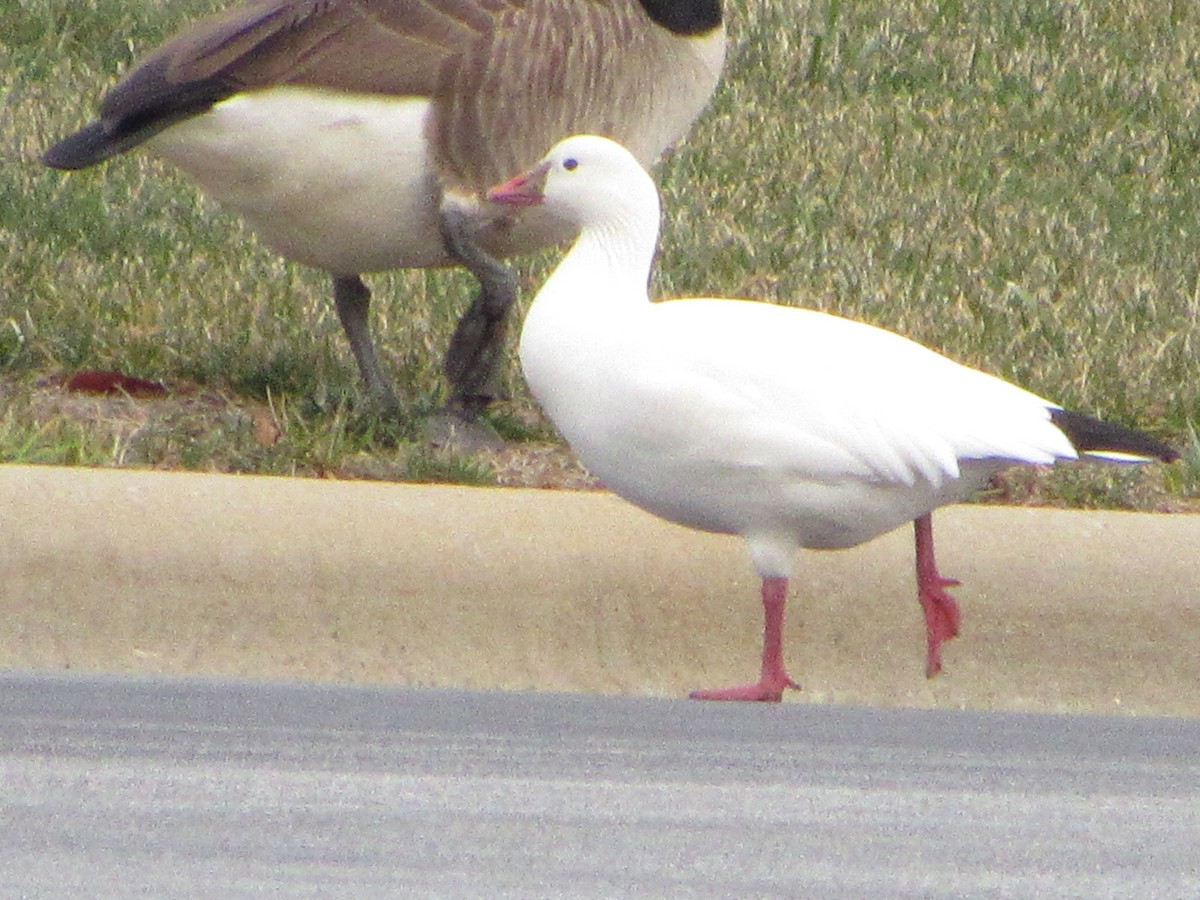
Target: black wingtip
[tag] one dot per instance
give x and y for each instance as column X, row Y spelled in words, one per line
column 88, row 146
column 1095, row 436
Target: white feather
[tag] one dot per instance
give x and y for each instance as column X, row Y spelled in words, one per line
column 789, row 426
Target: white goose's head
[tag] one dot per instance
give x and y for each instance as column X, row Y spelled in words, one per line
column 588, row 182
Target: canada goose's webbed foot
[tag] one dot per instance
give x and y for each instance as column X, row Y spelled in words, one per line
column 472, row 363
column 353, row 300
column 458, row 425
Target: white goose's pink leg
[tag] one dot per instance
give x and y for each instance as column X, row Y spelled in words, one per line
column 941, row 610
column 770, row 686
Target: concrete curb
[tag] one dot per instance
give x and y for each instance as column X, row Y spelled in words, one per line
column 129, row 571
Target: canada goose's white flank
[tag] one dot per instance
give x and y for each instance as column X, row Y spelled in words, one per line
column 358, row 135
column 790, row 427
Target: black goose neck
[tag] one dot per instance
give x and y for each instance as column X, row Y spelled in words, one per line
column 684, row 17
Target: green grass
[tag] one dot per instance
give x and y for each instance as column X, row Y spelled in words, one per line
column 1016, row 184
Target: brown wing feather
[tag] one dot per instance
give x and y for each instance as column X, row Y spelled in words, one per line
column 399, row 47
column 508, row 77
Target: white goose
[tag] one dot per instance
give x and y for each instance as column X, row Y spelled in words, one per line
column 358, row 135
column 789, row 427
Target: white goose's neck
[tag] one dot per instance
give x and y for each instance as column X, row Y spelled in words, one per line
column 585, row 320
column 609, row 262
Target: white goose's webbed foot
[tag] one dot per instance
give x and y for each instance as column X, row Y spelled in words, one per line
column 774, row 679
column 942, row 614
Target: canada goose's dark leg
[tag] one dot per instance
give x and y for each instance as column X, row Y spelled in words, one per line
column 472, row 360
column 352, row 299
column 472, row 363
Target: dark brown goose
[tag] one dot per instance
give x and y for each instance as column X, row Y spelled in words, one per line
column 358, row 135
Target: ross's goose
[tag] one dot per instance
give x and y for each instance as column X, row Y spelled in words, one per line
column 359, row 135
column 790, row 427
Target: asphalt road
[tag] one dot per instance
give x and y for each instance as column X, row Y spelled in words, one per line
column 119, row 787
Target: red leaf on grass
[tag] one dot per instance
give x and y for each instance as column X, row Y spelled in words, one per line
column 95, row 381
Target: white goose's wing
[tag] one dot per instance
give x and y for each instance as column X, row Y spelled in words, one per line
column 831, row 399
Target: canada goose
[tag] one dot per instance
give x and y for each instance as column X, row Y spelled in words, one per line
column 358, row 135
column 787, row 426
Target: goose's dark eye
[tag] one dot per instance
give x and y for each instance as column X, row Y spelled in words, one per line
column 570, row 164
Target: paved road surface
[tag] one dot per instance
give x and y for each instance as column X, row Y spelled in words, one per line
column 114, row 787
